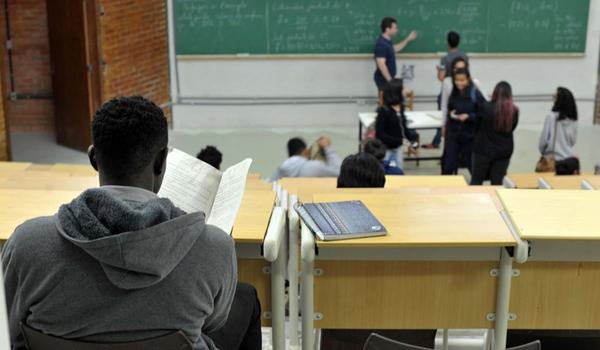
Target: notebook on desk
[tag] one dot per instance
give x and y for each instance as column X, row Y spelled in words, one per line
column 340, row 220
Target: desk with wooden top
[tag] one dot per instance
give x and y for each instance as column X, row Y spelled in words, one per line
column 306, row 187
column 592, row 182
column 565, row 182
column 433, row 270
column 20, row 205
column 248, row 232
column 524, row 180
column 559, row 286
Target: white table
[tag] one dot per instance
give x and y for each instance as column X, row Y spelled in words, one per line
column 417, row 120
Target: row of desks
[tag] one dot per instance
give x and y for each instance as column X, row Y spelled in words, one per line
column 438, row 267
column 447, row 261
column 551, row 181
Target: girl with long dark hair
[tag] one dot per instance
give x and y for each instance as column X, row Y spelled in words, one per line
column 493, row 145
column 560, row 128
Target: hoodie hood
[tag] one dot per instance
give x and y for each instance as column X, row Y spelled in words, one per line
column 136, row 237
column 291, row 167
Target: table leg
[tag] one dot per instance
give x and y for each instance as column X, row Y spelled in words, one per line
column 294, row 227
column 307, row 293
column 445, row 340
column 503, row 300
column 360, row 131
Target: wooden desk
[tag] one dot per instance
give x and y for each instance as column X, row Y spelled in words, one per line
column 560, row 284
column 45, row 180
column 594, row 181
column 435, row 244
column 253, row 217
column 74, row 169
column 17, row 206
column 249, row 231
column 527, row 180
column 567, row 182
column 13, row 167
column 306, row 187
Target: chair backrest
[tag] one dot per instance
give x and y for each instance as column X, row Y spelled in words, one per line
column 37, row 340
column 4, row 336
column 378, row 342
column 536, row 345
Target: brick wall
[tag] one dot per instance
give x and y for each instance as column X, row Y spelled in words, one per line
column 31, row 67
column 134, row 46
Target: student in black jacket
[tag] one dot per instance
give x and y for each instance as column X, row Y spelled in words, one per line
column 493, row 145
column 390, row 124
column 460, row 125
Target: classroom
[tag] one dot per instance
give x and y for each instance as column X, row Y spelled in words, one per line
column 300, row 174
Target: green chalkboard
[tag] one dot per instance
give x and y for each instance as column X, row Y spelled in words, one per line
column 217, row 27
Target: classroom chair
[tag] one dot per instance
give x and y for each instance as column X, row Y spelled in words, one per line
column 378, row 342
column 37, row 340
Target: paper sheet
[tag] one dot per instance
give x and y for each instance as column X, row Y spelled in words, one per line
column 189, row 183
column 229, row 196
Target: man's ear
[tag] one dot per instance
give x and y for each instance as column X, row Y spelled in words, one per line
column 92, row 156
column 160, row 163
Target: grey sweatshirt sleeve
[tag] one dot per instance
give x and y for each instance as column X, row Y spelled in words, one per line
column 333, row 162
column 224, row 298
column 545, row 136
column 276, row 175
column 15, row 301
column 571, row 134
column 446, row 91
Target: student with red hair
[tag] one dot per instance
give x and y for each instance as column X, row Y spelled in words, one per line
column 493, row 144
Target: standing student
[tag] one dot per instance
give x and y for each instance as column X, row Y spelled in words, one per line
column 119, row 263
column 385, row 53
column 560, row 131
column 390, row 124
column 361, row 170
column 299, row 165
column 444, row 70
column 377, row 149
column 460, row 125
column 493, row 145
column 448, row 83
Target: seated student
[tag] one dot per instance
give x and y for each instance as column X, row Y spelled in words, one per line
column 390, row 124
column 119, row 263
column 361, row 170
column 560, row 129
column 460, row 125
column 212, row 156
column 493, row 145
column 298, row 164
column 597, row 169
column 377, row 149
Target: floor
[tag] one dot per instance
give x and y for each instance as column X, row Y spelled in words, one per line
column 267, row 147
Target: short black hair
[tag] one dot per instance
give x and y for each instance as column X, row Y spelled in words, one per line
column 376, row 148
column 392, row 93
column 127, row 134
column 295, row 146
column 453, row 39
column 387, row 23
column 361, row 170
column 565, row 104
column 212, row 156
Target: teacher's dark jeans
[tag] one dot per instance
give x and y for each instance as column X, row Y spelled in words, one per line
column 242, row 331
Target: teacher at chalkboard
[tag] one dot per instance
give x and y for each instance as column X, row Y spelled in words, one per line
column 385, row 53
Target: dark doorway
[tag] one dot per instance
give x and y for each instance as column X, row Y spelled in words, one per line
column 73, row 34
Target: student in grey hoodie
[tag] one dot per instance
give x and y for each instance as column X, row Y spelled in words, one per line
column 119, row 263
column 298, row 164
column 563, row 119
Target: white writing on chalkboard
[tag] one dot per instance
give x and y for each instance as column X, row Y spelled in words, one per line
column 351, row 26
